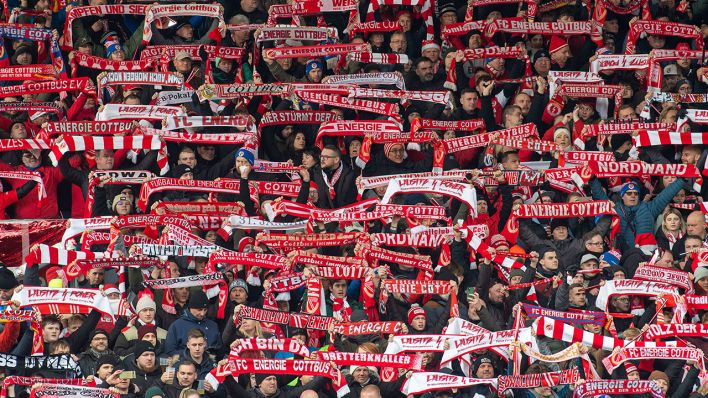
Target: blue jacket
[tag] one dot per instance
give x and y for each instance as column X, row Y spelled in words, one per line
column 639, row 219
column 177, row 334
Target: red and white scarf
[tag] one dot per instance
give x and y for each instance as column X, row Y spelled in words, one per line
column 378, row 58
column 81, row 84
column 35, row 321
column 666, row 275
column 661, row 28
column 262, row 260
column 594, row 388
column 631, row 287
column 100, row 10
column 72, row 143
column 380, row 128
column 513, row 25
column 30, row 381
column 373, row 78
column 156, row 185
column 307, row 33
column 456, row 190
column 98, row 63
column 88, row 127
column 258, row 344
column 421, row 382
column 556, row 210
column 156, row 12
column 112, row 78
column 565, row 332
column 48, row 300
column 534, row 380
column 27, row 176
column 456, row 125
column 639, row 353
column 383, row 108
column 283, row 241
column 460, row 346
column 138, row 112
column 46, row 390
column 28, row 72
column 676, row 330
column 45, row 254
column 279, row 118
column 314, row 51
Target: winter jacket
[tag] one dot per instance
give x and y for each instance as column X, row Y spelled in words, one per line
column 234, row 389
column 88, row 359
column 639, row 219
column 344, row 188
column 203, row 368
column 177, row 334
column 142, row 378
column 125, row 341
column 28, row 207
column 569, row 250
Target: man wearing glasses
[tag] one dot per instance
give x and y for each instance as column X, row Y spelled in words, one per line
column 335, row 180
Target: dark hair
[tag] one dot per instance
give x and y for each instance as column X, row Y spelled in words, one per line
column 334, row 149
column 188, row 363
column 420, row 61
column 49, row 319
column 505, row 155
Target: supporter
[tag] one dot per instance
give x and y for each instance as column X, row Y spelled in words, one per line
column 145, row 309
column 540, row 216
column 98, row 347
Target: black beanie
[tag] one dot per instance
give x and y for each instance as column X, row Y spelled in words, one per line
column 7, row 279
column 198, row 300
column 559, row 222
column 484, row 358
column 260, row 377
column 96, row 332
column 106, row 359
column 143, row 346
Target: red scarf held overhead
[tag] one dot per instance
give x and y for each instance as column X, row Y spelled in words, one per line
column 558, row 210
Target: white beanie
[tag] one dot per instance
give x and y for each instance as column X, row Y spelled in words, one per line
column 144, row 302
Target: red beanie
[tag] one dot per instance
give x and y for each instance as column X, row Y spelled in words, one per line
column 389, row 145
column 415, row 311
column 557, row 43
column 630, row 367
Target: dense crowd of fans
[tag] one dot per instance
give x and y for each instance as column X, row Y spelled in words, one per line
column 518, row 183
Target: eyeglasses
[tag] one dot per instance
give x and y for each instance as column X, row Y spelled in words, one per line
column 594, row 243
column 396, row 151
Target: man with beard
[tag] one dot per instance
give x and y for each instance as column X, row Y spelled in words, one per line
column 334, row 180
column 98, row 347
column 144, row 363
column 483, row 368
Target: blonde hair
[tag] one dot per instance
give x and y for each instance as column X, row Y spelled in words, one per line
column 259, row 330
column 187, row 392
column 671, row 210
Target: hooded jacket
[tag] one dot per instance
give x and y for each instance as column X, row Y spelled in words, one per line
column 177, row 334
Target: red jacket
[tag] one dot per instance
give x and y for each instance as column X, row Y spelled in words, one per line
column 6, row 199
column 9, row 336
column 28, row 207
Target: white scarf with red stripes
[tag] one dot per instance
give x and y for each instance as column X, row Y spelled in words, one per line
column 73, row 143
column 63, row 300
